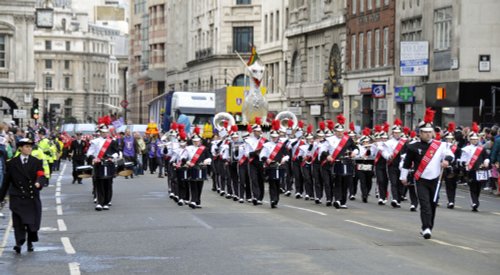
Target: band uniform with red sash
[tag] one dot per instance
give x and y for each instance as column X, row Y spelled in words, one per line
column 378, row 156
column 275, row 151
column 474, row 157
column 104, row 148
column 259, row 146
column 339, row 148
column 427, row 158
column 297, row 150
column 312, row 158
column 454, row 148
column 400, row 145
column 197, row 155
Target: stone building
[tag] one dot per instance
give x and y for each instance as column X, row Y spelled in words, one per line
column 314, row 58
column 17, row 78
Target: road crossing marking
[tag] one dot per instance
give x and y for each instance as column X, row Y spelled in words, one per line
column 61, row 225
column 59, row 210
column 204, row 224
column 67, row 245
column 58, row 200
column 458, row 246
column 58, row 194
column 371, row 226
column 496, row 213
column 305, row 209
column 74, row 268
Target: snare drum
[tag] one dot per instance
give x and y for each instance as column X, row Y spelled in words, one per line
column 126, row 169
column 84, row 172
column 344, row 167
column 182, row 173
column 198, row 173
column 364, row 167
column 275, row 173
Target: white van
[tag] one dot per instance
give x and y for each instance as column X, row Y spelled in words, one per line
column 85, row 128
column 198, row 107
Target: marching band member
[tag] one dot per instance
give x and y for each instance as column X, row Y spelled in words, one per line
column 199, row 158
column 287, row 180
column 306, row 159
column 353, row 187
column 450, row 174
column 170, row 148
column 273, row 154
column 476, row 162
column 364, row 164
column 319, row 180
column 429, row 156
column 214, row 151
column 381, row 165
column 392, row 151
column 231, row 157
column 341, row 150
column 179, row 159
column 103, row 153
column 411, row 180
column 77, row 151
column 255, row 144
column 226, row 184
column 243, row 168
column 296, row 163
column 326, row 166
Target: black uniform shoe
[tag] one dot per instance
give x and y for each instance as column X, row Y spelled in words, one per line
column 336, row 204
column 31, row 248
column 17, row 249
column 328, row 203
column 365, row 200
column 74, row 180
column 274, row 204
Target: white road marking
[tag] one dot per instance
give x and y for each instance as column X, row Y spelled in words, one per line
column 6, row 237
column 58, row 200
column 305, row 209
column 58, row 184
column 458, row 246
column 202, row 223
column 67, row 245
column 59, row 210
column 58, row 188
column 62, row 225
column 48, row 229
column 74, row 268
column 495, row 213
column 371, row 226
column 58, row 194
column 458, row 196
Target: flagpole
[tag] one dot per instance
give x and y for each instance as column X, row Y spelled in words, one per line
column 241, row 58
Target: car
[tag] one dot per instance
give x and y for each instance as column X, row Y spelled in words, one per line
column 85, row 128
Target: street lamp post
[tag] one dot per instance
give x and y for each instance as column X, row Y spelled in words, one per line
column 45, row 114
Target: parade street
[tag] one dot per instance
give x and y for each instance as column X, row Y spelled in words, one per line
column 146, row 232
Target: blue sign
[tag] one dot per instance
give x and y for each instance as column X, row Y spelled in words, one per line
column 378, row 90
column 405, row 94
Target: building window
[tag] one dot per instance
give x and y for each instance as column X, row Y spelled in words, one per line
column 48, row 64
column 386, row 46
column 67, row 83
column 369, row 4
column 243, row 2
column 353, row 52
column 265, row 28
column 277, row 25
column 377, row 47
column 362, row 6
column 314, row 72
column 48, row 45
column 386, row 2
column 411, row 29
column 48, row 82
column 66, row 64
column 442, row 28
column 68, row 45
column 271, row 27
column 361, row 51
column 242, row 39
column 377, row 4
column 369, row 49
column 354, row 6
column 3, row 51
column 296, row 68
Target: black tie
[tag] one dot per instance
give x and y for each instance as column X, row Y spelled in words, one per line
column 25, row 161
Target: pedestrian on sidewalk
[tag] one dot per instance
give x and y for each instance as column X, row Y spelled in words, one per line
column 24, row 179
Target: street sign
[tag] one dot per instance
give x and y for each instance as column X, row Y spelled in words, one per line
column 414, row 58
column 124, row 104
column 405, row 94
column 378, row 90
column 484, row 63
column 18, row 113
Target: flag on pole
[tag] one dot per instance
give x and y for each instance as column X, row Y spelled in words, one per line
column 253, row 56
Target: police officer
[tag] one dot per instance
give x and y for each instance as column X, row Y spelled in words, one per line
column 77, row 150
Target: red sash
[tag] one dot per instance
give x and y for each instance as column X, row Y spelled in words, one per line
column 297, row 150
column 197, row 154
column 427, row 158
column 454, row 148
column 339, row 148
column 276, row 150
column 242, row 160
column 104, row 147
column 474, row 157
column 400, row 145
column 377, row 157
column 259, row 146
column 316, row 153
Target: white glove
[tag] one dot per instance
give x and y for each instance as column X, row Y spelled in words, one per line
column 207, row 161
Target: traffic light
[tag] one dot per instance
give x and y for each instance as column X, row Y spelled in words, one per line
column 35, row 113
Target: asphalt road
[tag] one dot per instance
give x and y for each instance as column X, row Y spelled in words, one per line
column 146, row 232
